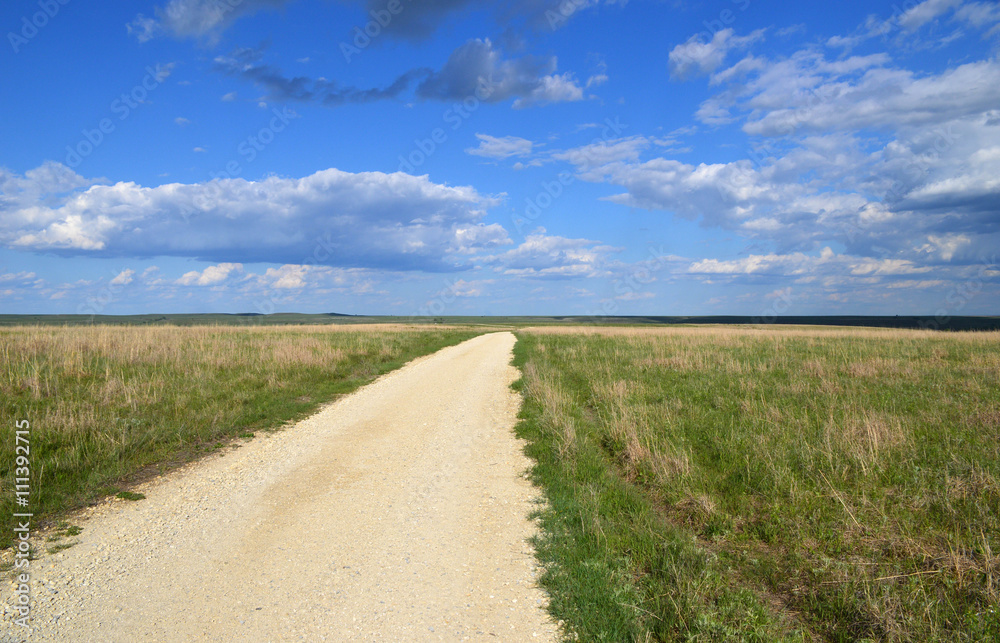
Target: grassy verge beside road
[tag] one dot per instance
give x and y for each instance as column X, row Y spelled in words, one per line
column 108, row 403
column 767, row 484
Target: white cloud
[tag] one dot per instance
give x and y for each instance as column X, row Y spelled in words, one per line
column 464, row 288
column 924, row 12
column 798, row 264
column 180, row 120
column 636, row 296
column 231, row 96
column 124, row 278
column 543, row 256
column 823, row 99
column 195, row 18
column 597, row 80
column 888, row 163
column 696, row 57
column 17, row 276
column 478, row 68
column 600, row 153
column 981, row 15
column 143, row 28
column 331, row 217
column 287, row 277
column 500, row 148
column 555, row 88
column 210, row 276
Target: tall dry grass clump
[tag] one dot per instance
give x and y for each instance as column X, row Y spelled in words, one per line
column 555, row 404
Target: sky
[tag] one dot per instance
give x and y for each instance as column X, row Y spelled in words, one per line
column 520, row 157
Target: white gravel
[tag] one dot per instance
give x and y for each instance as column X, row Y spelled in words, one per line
column 397, row 513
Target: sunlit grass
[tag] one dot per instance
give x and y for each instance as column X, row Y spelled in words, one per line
column 826, row 484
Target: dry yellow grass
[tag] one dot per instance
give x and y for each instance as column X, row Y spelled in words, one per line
column 725, row 332
column 105, row 401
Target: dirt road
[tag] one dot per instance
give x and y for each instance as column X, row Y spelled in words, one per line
column 397, row 513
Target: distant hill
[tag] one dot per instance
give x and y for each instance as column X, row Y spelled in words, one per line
column 238, row 319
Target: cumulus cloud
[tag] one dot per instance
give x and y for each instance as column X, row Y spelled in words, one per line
column 554, row 88
column 371, row 219
column 822, row 193
column 210, row 276
column 44, row 183
column 124, row 278
column 921, row 196
column 887, row 162
column 862, row 93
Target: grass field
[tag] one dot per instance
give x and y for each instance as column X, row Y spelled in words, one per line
column 767, row 484
column 108, row 404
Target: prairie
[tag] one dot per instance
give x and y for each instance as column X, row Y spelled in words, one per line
column 722, row 483
column 108, row 404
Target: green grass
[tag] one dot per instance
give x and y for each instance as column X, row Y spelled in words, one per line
column 758, row 485
column 109, row 406
column 61, row 531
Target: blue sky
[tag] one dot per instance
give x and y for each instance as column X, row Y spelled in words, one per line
column 517, row 157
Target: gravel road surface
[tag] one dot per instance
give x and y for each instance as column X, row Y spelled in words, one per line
column 397, row 513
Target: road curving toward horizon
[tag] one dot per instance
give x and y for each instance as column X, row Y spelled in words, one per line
column 396, row 513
